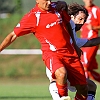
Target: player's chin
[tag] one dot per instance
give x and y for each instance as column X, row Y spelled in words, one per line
column 47, row 8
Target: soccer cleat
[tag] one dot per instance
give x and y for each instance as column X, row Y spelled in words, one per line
column 65, row 98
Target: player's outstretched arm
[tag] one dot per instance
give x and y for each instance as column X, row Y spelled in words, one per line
column 78, row 50
column 92, row 42
column 8, row 40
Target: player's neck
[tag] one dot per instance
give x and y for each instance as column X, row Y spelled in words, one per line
column 88, row 6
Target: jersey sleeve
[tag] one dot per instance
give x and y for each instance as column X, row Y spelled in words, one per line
column 98, row 15
column 72, row 24
column 26, row 25
column 81, row 41
column 63, row 13
column 74, row 32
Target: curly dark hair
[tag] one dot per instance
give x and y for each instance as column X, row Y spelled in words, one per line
column 74, row 8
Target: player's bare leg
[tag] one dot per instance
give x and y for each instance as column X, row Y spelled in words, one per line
column 61, row 81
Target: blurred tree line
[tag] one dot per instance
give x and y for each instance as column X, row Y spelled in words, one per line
column 16, row 6
column 23, row 6
column 10, row 6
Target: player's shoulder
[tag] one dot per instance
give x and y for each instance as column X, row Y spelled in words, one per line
column 34, row 10
column 72, row 24
column 96, row 7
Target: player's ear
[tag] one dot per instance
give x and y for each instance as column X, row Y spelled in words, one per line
column 37, row 1
column 72, row 17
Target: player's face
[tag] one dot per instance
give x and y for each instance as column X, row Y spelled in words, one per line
column 44, row 4
column 79, row 20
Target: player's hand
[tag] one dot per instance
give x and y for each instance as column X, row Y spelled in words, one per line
column 61, row 5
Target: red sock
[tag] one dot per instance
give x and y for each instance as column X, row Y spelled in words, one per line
column 62, row 89
column 80, row 97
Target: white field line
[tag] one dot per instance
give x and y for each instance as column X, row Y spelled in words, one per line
column 21, row 51
column 25, row 52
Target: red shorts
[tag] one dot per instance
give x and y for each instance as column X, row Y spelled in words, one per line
column 75, row 70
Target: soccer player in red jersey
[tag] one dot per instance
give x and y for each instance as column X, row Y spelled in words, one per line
column 90, row 30
column 61, row 58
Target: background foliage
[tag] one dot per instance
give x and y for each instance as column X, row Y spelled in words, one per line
column 22, row 6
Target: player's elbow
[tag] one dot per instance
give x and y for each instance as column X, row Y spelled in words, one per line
column 13, row 36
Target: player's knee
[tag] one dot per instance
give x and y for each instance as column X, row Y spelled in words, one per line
column 61, row 74
column 91, row 85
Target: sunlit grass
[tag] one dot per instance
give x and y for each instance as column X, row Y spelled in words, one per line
column 29, row 89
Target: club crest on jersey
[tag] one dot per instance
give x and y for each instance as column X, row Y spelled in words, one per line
column 54, row 23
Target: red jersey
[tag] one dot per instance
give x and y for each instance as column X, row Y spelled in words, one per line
column 48, row 27
column 94, row 20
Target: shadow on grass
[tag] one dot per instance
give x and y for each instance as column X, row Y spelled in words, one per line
column 23, row 97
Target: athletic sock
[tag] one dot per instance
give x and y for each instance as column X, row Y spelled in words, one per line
column 91, row 95
column 79, row 97
column 62, row 89
column 54, row 91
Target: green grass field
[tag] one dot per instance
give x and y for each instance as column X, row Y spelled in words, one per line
column 29, row 89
